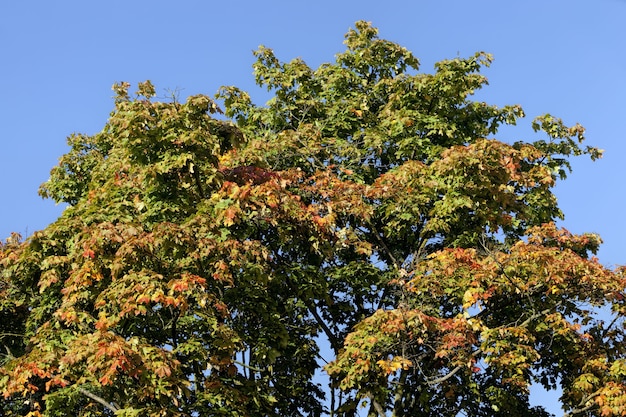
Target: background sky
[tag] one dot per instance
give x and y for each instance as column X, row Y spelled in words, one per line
column 58, row 61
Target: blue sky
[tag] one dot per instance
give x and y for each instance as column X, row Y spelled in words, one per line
column 59, row 60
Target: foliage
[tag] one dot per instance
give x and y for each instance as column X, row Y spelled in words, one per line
column 203, row 259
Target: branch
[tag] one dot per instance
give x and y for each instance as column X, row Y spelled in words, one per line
column 11, row 334
column 608, row 328
column 379, row 409
column 196, row 176
column 491, row 255
column 452, row 372
column 9, row 354
column 397, row 402
column 175, row 316
column 526, row 322
column 334, row 341
column 96, row 398
column 393, row 259
column 584, row 401
column 445, row 377
column 252, row 368
column 385, row 247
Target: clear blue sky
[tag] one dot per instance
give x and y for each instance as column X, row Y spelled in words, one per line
column 59, row 59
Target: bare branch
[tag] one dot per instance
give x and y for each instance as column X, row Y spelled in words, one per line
column 445, row 377
column 584, row 405
column 399, row 391
column 383, row 245
column 252, row 368
column 335, row 343
column 9, row 354
column 98, row 399
column 379, row 409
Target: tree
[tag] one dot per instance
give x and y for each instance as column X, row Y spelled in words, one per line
column 204, row 257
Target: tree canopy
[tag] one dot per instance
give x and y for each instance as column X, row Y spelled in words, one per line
column 214, row 253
